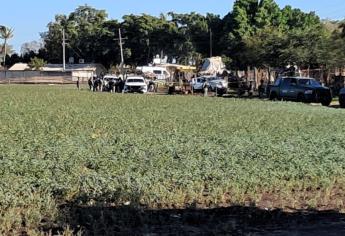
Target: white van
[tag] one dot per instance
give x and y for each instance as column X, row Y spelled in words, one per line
column 160, row 72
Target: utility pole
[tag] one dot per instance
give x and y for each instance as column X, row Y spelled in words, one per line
column 121, row 48
column 64, row 50
column 211, row 44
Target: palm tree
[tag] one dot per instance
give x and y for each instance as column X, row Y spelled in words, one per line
column 5, row 33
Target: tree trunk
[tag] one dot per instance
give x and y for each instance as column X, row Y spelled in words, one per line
column 5, row 52
column 248, row 73
column 308, row 71
column 328, row 77
column 256, row 77
column 322, row 74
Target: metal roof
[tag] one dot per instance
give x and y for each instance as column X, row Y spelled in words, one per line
column 59, row 67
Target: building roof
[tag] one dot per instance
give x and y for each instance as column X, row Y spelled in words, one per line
column 20, row 66
column 72, row 67
column 178, row 67
column 59, row 67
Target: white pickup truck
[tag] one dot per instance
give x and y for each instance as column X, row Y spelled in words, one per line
column 135, row 84
column 214, row 84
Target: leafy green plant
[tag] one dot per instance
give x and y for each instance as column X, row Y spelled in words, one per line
column 61, row 147
column 37, row 63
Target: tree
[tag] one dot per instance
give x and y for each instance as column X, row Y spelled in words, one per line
column 263, row 48
column 37, row 63
column 195, row 30
column 268, row 15
column 238, row 26
column 243, row 18
column 85, row 28
column 13, row 59
column 333, row 53
column 31, row 46
column 141, row 38
column 259, row 33
column 342, row 27
column 295, row 19
column 5, row 34
column 255, row 33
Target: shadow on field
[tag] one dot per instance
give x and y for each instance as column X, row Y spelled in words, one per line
column 235, row 220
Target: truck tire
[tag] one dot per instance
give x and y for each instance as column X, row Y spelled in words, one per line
column 300, row 97
column 342, row 100
column 326, row 102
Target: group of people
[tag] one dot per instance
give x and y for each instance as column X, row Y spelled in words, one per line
column 106, row 84
column 112, row 84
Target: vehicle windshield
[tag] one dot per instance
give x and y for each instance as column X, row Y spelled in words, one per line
column 309, row 82
column 135, row 81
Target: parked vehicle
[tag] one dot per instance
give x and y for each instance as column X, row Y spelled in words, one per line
column 300, row 89
column 218, row 85
column 160, row 72
column 342, row 98
column 240, row 85
column 215, row 84
column 135, row 84
column 111, row 83
column 198, row 83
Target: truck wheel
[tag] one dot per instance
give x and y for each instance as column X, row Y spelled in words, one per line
column 300, row 98
column 220, row 93
column 342, row 101
column 326, row 102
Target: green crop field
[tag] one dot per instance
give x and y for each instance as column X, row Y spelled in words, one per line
column 62, row 147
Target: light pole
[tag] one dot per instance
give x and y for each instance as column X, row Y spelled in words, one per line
column 64, row 50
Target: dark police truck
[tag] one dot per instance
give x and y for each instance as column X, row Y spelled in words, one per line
column 300, row 89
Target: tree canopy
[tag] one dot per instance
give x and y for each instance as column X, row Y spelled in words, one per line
column 6, row 34
column 254, row 33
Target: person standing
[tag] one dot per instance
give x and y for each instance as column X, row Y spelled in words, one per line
column 151, row 86
column 205, row 87
column 78, row 83
column 90, row 82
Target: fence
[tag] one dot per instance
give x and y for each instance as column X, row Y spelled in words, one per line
column 334, row 78
column 257, row 75
column 35, row 77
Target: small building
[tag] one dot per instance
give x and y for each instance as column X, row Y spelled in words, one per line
column 81, row 71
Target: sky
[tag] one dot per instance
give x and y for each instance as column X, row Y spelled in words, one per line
column 29, row 18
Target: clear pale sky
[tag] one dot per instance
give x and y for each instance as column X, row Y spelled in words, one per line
column 30, row 17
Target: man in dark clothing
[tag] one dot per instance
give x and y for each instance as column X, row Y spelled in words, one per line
column 261, row 89
column 90, row 82
column 78, row 84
